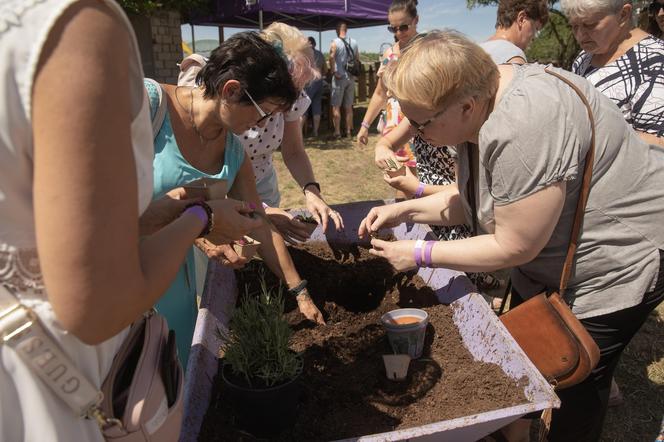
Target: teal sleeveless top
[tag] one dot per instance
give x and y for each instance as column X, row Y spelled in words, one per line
column 171, row 170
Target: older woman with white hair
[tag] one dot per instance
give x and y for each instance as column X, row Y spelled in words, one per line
column 623, row 62
column 522, row 135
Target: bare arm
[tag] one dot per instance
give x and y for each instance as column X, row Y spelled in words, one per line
column 523, row 228
column 650, row 138
column 99, row 277
column 299, row 166
column 389, row 143
column 331, row 61
column 273, row 248
column 378, row 100
column 441, row 208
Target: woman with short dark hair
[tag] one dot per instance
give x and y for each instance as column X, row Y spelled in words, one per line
column 243, row 84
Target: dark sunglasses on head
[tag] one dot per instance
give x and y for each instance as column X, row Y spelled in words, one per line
column 400, row 28
column 655, row 7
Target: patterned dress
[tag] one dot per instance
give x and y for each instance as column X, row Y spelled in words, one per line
column 435, row 166
column 634, row 82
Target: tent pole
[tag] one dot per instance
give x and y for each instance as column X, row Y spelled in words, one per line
column 260, row 19
column 221, row 34
column 193, row 39
column 320, row 40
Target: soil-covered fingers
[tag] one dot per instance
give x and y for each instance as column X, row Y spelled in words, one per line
column 319, row 210
column 298, row 230
column 398, row 253
column 378, row 218
column 365, row 225
column 338, row 220
column 309, row 309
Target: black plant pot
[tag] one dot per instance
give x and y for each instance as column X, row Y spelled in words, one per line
column 262, row 412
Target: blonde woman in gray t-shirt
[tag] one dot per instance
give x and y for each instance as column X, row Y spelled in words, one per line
column 529, row 133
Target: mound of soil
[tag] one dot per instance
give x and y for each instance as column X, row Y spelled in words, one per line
column 345, row 390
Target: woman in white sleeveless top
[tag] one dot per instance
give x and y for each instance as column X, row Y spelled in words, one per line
column 75, row 173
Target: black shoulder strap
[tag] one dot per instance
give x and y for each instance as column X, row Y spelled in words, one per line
column 348, row 47
column 470, row 150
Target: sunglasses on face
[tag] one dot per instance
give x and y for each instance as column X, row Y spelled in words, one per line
column 655, row 7
column 261, row 112
column 420, row 127
column 400, row 28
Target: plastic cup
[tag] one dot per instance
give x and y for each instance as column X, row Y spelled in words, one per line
column 406, row 329
column 396, row 366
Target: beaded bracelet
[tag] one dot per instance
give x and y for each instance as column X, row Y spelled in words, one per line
column 207, row 217
column 365, row 125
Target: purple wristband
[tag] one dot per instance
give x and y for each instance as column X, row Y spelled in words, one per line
column 428, row 247
column 199, row 212
column 420, row 190
column 417, row 252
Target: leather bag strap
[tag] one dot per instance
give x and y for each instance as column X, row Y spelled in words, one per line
column 585, row 188
column 583, row 195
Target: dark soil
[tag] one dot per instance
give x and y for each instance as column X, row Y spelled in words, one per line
column 345, row 390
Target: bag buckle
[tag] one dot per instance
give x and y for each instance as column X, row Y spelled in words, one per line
column 104, row 421
column 15, row 320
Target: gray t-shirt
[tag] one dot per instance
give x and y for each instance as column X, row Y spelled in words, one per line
column 501, row 51
column 538, row 134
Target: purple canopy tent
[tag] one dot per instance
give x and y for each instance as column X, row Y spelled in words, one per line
column 311, row 15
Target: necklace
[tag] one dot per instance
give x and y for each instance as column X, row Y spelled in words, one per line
column 203, row 139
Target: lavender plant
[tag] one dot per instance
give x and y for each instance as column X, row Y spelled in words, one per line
column 256, row 346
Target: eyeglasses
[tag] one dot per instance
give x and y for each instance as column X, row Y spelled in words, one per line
column 400, row 28
column 655, row 7
column 420, row 127
column 261, row 112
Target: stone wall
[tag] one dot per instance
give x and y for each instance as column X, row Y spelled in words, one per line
column 160, row 44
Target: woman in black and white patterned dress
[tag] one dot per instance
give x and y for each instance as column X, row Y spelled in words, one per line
column 622, row 62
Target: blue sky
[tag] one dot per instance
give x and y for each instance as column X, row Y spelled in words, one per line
column 477, row 23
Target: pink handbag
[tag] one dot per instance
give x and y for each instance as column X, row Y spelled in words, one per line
column 135, row 391
column 141, row 399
